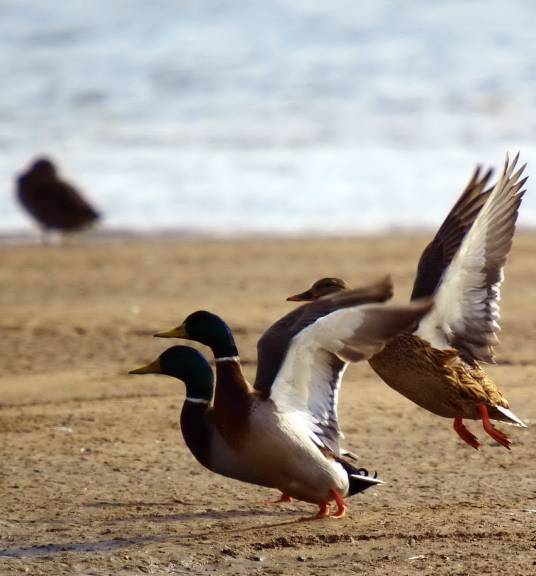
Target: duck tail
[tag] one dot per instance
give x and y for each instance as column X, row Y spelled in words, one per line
column 511, row 418
column 359, row 478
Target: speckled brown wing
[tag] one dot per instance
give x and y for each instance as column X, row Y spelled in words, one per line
column 273, row 344
column 441, row 250
column 438, row 380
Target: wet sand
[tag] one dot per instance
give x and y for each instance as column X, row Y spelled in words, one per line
column 96, row 479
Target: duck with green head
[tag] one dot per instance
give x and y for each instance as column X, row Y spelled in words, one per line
column 201, row 435
column 287, row 428
column 197, row 415
column 437, row 364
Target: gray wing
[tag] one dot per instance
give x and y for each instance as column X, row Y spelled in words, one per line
column 466, row 314
column 324, row 400
column 273, row 344
column 307, row 385
column 441, row 250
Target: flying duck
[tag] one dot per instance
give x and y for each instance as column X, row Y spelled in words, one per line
column 437, row 365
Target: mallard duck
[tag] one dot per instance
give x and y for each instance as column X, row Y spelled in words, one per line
column 55, row 204
column 437, row 366
column 197, row 415
column 289, row 432
column 197, row 422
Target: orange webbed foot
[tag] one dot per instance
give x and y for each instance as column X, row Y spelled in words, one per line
column 325, row 509
column 467, row 436
column 497, row 435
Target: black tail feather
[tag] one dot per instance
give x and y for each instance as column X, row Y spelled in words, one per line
column 359, row 478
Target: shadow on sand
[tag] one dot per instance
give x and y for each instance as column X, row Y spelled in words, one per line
column 128, row 542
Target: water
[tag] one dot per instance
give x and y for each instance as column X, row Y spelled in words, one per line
column 286, row 116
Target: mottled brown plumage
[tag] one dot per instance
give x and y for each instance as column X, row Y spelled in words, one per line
column 437, row 380
column 54, row 203
column 437, row 366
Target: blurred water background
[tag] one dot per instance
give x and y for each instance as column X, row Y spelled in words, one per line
column 284, row 116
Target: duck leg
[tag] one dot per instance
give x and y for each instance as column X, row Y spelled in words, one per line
column 465, row 434
column 341, row 506
column 497, row 435
column 324, row 511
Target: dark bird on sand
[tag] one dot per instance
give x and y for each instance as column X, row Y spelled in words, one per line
column 54, row 203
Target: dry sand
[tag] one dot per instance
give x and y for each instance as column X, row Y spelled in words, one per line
column 96, row 479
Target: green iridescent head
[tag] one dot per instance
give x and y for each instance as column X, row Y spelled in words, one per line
column 188, row 365
column 208, row 329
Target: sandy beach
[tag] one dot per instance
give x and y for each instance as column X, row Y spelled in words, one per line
column 95, row 477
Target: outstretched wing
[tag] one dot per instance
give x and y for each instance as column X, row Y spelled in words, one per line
column 307, row 384
column 273, row 344
column 466, row 314
column 441, row 250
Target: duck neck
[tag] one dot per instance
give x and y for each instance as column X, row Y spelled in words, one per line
column 196, row 426
column 232, row 399
column 224, row 347
column 230, row 378
column 197, row 429
column 200, row 387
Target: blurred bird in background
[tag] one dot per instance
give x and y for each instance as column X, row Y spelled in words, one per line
column 55, row 204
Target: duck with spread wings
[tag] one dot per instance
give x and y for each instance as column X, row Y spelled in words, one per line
column 438, row 365
column 286, row 429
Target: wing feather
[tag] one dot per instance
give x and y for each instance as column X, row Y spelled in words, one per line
column 439, row 253
column 273, row 344
column 308, row 381
column 467, row 312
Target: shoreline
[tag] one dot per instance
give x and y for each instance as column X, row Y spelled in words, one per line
column 131, row 235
